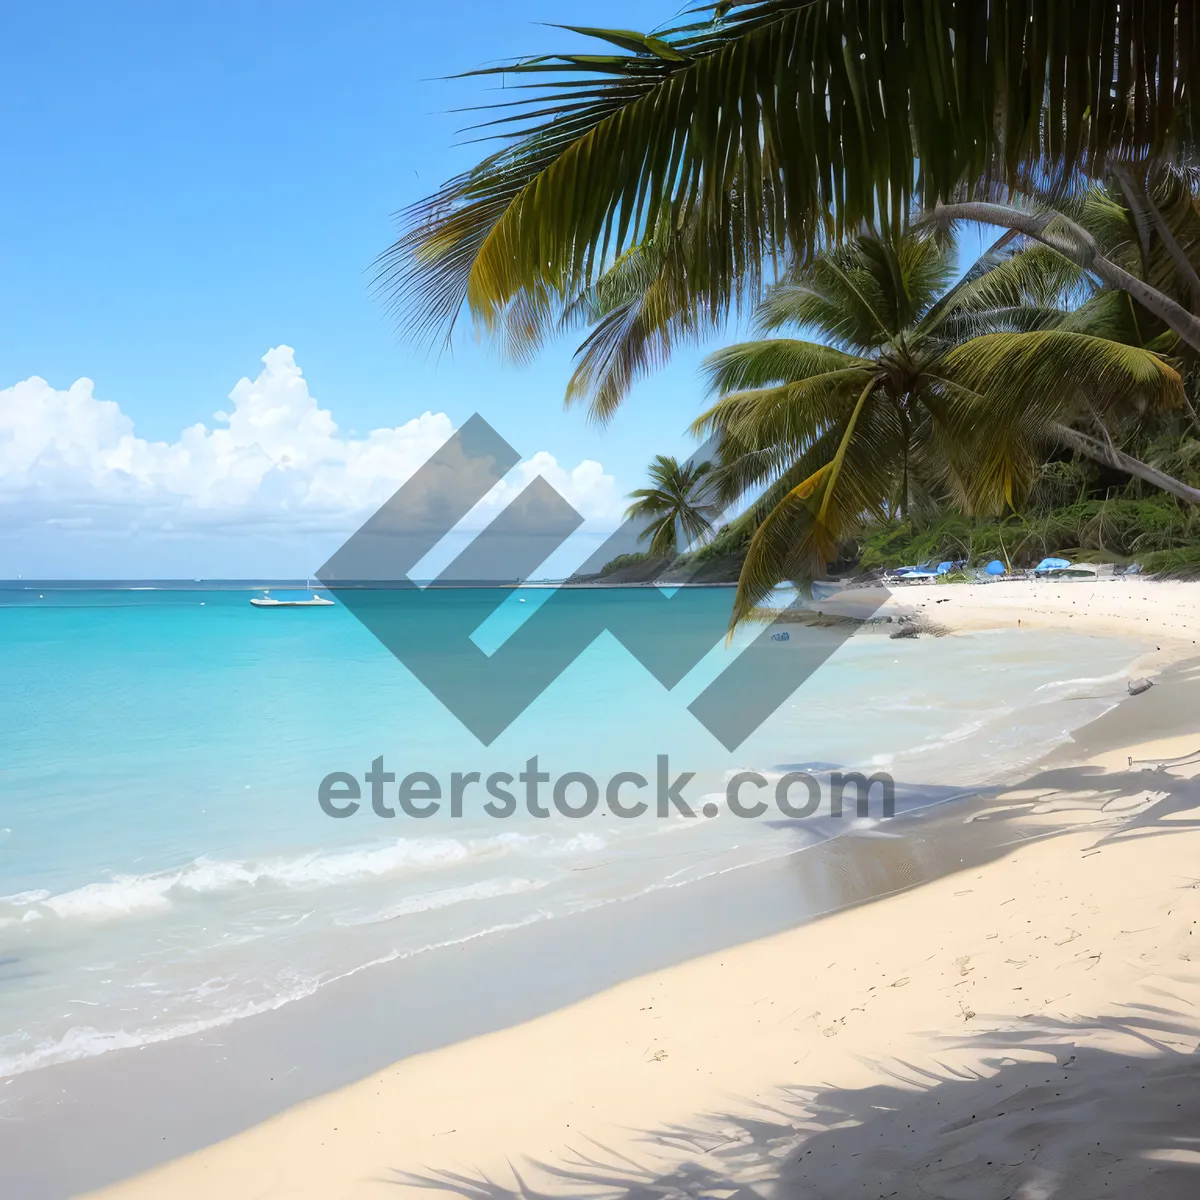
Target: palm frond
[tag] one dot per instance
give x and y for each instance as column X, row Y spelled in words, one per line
column 860, row 295
column 784, row 123
column 1111, row 315
column 1050, row 371
column 785, row 418
column 1012, row 318
column 1021, row 276
column 640, row 309
column 800, row 534
column 1006, row 392
column 774, row 360
column 766, row 476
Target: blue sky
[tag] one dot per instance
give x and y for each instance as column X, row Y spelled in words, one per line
column 190, row 186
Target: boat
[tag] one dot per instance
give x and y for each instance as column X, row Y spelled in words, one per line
column 1061, row 568
column 266, row 600
column 1071, row 573
column 826, row 589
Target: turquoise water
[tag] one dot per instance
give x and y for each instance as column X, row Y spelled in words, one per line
column 165, row 866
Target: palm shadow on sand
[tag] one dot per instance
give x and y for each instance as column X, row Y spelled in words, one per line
column 1043, row 1112
column 1039, row 1116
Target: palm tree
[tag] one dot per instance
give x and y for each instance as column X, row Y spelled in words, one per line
column 768, row 128
column 916, row 388
column 1137, row 233
column 1075, row 242
column 679, row 499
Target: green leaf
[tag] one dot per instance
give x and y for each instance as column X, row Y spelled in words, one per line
column 628, row 40
column 768, row 134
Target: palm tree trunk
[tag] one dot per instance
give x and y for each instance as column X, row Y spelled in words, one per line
column 1080, row 247
column 1141, row 204
column 1110, row 456
column 1183, row 264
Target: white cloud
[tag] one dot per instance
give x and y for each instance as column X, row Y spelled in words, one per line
column 275, row 460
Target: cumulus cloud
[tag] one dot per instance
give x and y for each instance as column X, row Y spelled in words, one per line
column 275, row 459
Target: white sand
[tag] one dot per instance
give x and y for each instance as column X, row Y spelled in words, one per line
column 1024, row 1029
column 1167, row 612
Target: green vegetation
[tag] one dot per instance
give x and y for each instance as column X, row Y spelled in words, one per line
column 717, row 560
column 918, row 393
column 1183, row 563
column 1156, row 532
column 810, row 162
column 1118, row 530
column 766, row 128
column 624, row 561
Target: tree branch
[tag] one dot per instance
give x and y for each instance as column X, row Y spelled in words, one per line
column 1182, row 263
column 1081, row 248
column 1110, row 456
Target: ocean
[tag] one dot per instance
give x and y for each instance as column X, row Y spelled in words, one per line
column 166, row 866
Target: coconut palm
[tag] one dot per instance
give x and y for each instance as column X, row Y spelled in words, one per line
column 678, row 500
column 769, row 127
column 1148, row 220
column 916, row 387
column 1148, row 224
column 1076, row 242
column 1137, row 232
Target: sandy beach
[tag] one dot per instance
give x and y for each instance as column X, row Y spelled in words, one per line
column 1024, row 1026
column 467, row 729
column 1127, row 606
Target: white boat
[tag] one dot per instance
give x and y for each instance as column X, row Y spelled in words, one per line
column 825, row 589
column 266, row 600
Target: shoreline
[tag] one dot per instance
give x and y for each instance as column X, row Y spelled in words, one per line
column 125, row 1111
column 782, row 899
column 1006, row 1030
